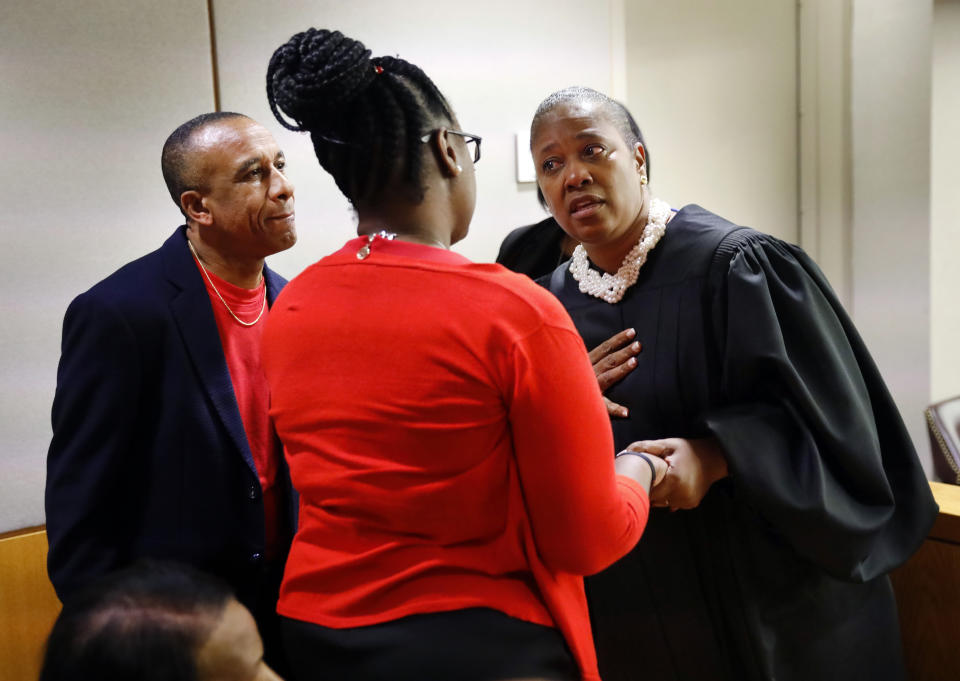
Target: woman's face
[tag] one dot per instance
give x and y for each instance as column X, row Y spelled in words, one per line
column 588, row 174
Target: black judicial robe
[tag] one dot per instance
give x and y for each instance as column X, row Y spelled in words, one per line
column 780, row 573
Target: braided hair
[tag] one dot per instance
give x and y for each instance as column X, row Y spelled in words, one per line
column 365, row 115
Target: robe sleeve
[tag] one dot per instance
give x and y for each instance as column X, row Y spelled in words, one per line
column 813, row 439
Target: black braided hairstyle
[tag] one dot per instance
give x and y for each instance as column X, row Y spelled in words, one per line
column 365, row 116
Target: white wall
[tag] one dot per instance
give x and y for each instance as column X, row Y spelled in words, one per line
column 825, row 142
column 88, row 93
column 713, row 87
column 495, row 61
column 890, row 106
column 944, row 206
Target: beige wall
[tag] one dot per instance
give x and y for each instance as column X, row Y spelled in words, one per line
column 494, row 61
column 825, row 141
column 88, row 93
column 945, row 206
column 713, row 87
column 890, row 109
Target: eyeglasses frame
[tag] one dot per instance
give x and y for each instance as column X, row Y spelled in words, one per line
column 468, row 137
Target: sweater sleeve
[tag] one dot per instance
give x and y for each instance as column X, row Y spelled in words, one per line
column 584, row 516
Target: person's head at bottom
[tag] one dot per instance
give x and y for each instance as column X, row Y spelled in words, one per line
column 152, row 621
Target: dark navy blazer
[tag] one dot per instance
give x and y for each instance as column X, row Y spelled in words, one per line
column 149, row 455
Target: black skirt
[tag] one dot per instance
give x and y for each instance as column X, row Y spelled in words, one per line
column 476, row 644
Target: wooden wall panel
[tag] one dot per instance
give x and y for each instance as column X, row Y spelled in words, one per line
column 928, row 596
column 28, row 605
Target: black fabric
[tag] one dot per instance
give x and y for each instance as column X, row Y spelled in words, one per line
column 269, row 623
column 780, row 572
column 476, row 644
column 534, row 250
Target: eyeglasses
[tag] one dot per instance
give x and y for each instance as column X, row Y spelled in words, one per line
column 467, row 137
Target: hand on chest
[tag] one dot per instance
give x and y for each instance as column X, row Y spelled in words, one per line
column 671, row 380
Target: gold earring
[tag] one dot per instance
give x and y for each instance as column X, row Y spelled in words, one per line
column 643, row 179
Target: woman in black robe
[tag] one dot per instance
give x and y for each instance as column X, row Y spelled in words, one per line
column 793, row 486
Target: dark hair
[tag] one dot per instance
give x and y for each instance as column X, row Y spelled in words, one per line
column 174, row 159
column 365, row 115
column 618, row 114
column 143, row 623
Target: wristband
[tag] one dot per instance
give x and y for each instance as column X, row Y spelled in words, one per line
column 653, row 471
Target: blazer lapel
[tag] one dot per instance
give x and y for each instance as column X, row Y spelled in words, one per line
column 193, row 315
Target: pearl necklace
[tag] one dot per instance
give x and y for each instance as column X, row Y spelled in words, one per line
column 611, row 287
column 213, row 286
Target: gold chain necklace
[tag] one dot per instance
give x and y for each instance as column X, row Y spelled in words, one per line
column 214, row 287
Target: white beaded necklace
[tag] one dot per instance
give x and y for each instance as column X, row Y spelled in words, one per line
column 611, row 287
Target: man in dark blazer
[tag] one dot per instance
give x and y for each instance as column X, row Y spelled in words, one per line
column 162, row 445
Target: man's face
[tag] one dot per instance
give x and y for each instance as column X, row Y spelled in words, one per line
column 248, row 199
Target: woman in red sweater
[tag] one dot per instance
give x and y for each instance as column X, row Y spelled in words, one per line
column 441, row 419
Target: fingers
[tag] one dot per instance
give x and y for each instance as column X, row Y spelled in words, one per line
column 686, row 470
column 614, row 409
column 611, row 344
column 656, row 447
column 614, row 359
column 611, row 361
column 673, row 492
column 616, row 365
column 660, row 467
column 661, row 492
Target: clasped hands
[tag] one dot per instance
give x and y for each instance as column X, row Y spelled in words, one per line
column 685, row 469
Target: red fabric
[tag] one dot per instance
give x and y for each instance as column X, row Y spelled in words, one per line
column 444, row 428
column 241, row 347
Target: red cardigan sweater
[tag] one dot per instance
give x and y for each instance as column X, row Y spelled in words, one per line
column 444, row 428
